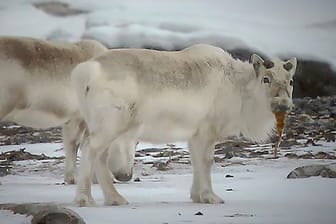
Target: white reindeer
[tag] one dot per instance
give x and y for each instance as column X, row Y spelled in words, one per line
column 36, row 91
column 200, row 94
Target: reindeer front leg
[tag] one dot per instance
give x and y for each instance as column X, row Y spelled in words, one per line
column 201, row 149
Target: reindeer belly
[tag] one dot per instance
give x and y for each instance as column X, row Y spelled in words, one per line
column 173, row 115
column 165, row 128
column 43, row 106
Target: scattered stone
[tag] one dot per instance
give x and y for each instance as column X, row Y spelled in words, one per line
column 58, row 8
column 324, row 155
column 228, row 176
column 288, row 143
column 218, row 159
column 239, row 215
column 144, row 173
column 311, row 142
column 312, row 121
column 330, row 137
column 198, row 213
column 12, row 134
column 234, row 163
column 291, row 156
column 23, row 155
column 230, row 145
column 162, row 165
column 62, row 183
column 308, row 155
column 137, row 179
column 45, row 213
column 5, row 168
column 229, row 189
column 305, row 118
column 254, row 154
column 328, row 171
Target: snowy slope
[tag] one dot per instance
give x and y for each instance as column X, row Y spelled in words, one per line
column 304, row 28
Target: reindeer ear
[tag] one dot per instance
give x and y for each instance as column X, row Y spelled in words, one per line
column 290, row 65
column 257, row 62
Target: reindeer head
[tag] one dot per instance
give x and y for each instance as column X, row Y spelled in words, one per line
column 276, row 80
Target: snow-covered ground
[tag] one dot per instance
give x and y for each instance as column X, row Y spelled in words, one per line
column 304, row 28
column 258, row 192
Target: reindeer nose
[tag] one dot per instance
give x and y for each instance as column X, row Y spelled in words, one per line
column 280, row 105
column 124, row 176
column 283, row 108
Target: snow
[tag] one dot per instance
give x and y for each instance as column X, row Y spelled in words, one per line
column 35, row 23
column 8, row 217
column 49, row 149
column 258, row 192
column 306, row 29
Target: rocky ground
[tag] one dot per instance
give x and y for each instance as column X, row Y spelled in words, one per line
column 311, row 122
column 313, row 78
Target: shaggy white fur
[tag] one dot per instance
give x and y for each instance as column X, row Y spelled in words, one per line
column 35, row 87
column 200, row 94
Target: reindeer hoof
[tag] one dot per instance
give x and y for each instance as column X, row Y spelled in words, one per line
column 206, row 197
column 83, row 200
column 69, row 179
column 116, row 201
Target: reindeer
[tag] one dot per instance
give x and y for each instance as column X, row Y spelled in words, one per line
column 36, row 91
column 200, row 94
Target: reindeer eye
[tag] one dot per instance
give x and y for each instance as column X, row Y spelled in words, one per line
column 291, row 82
column 266, row 79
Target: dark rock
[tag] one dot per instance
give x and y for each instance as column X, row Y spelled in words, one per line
column 314, row 78
column 137, row 179
column 228, row 176
column 329, row 137
column 198, row 213
column 45, row 213
column 58, row 8
column 16, row 135
column 307, row 156
column 5, row 168
column 23, row 155
column 324, row 155
column 305, row 118
column 258, row 153
column 328, row 171
column 162, row 165
column 229, row 155
column 288, row 143
column 239, row 215
column 311, row 142
column 291, row 156
column 218, row 159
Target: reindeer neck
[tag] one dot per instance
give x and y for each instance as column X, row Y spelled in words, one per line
column 257, row 120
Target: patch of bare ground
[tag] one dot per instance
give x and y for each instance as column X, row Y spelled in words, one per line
column 58, row 8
